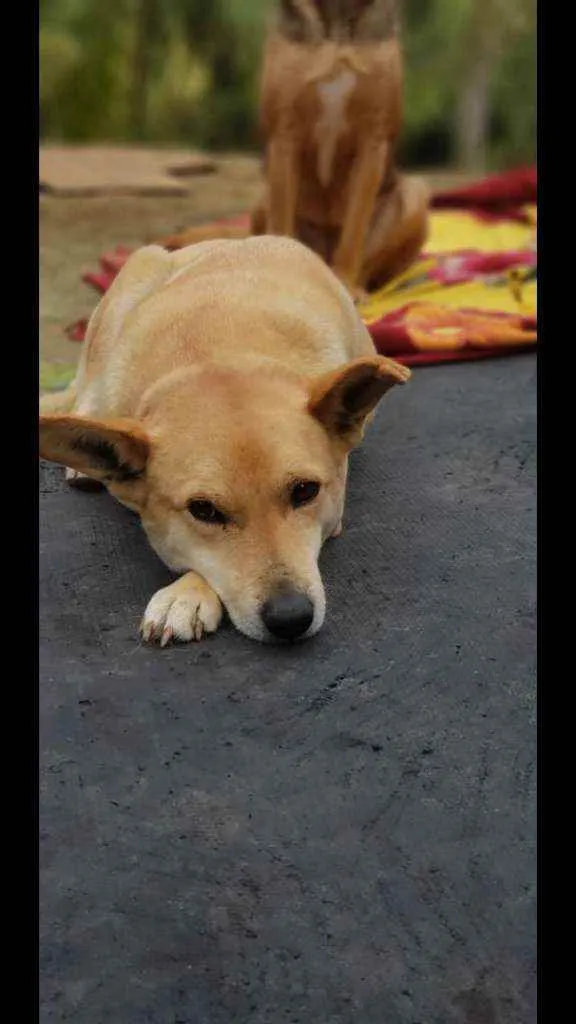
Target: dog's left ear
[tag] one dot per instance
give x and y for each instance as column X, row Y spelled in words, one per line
column 344, row 398
column 113, row 451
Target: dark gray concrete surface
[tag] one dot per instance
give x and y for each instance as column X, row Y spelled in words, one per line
column 338, row 832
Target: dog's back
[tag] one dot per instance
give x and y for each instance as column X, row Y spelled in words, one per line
column 223, row 303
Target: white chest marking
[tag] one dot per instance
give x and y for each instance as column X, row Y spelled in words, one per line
column 333, row 97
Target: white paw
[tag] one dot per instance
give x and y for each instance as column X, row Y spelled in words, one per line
column 86, row 483
column 183, row 611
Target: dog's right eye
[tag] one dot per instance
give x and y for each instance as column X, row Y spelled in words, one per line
column 304, row 492
column 206, row 512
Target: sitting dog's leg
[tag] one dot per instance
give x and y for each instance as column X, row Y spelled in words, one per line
column 185, row 610
column 282, row 175
column 259, row 219
column 365, row 180
column 398, row 231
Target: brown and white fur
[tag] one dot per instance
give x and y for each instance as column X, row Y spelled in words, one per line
column 331, row 113
column 219, row 392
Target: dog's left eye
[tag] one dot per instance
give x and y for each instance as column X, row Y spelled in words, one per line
column 206, row 512
column 304, row 492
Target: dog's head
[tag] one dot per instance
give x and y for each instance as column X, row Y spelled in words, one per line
column 239, row 476
column 343, row 20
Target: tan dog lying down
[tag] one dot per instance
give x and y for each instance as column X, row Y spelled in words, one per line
column 219, row 393
column 331, row 114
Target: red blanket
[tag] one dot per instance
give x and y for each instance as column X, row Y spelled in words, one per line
column 471, row 295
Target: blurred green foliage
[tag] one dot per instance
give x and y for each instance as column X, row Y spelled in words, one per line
column 186, row 71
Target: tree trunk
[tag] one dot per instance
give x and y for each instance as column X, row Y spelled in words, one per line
column 473, row 116
column 481, row 49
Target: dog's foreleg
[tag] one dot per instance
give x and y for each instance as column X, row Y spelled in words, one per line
column 366, row 177
column 282, row 173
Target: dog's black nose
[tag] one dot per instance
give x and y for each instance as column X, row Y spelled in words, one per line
column 288, row 614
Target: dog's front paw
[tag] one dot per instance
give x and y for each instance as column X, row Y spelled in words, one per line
column 82, row 482
column 185, row 610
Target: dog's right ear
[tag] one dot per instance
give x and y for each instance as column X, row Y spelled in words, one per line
column 112, row 451
column 343, row 398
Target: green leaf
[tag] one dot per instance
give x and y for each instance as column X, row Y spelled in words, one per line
column 56, row 376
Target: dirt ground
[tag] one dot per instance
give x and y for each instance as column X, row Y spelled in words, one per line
column 74, row 232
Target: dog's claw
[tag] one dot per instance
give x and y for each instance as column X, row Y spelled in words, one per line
column 167, row 635
column 147, row 631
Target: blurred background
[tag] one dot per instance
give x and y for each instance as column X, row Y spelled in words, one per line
column 138, row 96
column 185, row 72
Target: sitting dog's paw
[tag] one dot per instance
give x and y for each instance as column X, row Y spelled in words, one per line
column 171, row 242
column 185, row 610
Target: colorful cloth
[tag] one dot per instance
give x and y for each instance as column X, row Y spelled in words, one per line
column 470, row 295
